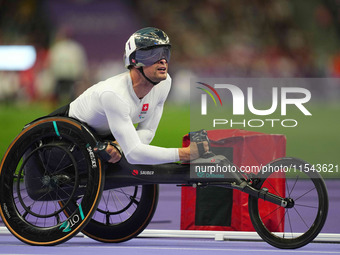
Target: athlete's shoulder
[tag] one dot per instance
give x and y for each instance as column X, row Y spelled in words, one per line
column 117, row 80
column 117, row 84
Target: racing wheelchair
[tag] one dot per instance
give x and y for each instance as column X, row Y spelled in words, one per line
column 53, row 185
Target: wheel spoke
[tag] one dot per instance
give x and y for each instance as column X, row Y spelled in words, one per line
column 305, row 194
column 290, row 223
column 301, row 217
column 134, row 200
column 309, row 206
column 271, row 213
column 291, row 191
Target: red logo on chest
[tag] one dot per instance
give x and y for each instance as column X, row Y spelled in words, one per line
column 145, row 107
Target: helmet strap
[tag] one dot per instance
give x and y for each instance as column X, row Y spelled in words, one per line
column 142, row 72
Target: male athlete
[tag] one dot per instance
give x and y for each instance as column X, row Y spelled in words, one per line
column 113, row 106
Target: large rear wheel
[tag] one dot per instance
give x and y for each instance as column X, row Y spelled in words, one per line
column 123, row 213
column 49, row 168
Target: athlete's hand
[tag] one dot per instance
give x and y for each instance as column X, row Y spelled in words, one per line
column 114, row 153
column 191, row 152
column 108, row 151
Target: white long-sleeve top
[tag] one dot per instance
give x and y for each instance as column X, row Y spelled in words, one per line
column 111, row 106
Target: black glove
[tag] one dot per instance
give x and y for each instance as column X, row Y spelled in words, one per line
column 101, row 150
column 199, row 137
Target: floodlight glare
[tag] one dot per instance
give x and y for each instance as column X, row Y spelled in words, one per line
column 17, row 57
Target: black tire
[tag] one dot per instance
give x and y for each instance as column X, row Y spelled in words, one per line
column 290, row 228
column 123, row 213
column 49, row 166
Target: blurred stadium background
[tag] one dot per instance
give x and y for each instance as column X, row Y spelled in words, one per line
column 211, row 38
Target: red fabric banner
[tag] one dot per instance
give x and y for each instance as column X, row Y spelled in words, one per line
column 249, row 149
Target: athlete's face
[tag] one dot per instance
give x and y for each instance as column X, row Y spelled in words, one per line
column 158, row 71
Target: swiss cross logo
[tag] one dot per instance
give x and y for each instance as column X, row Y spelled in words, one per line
column 145, row 107
column 144, row 111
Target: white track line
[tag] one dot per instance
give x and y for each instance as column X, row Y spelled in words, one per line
column 226, row 235
column 216, row 235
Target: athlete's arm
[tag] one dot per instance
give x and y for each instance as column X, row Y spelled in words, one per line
column 122, row 128
column 185, row 154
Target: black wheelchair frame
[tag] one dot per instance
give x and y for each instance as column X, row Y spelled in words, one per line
column 53, row 185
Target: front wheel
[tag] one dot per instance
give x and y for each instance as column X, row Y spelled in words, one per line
column 290, row 228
